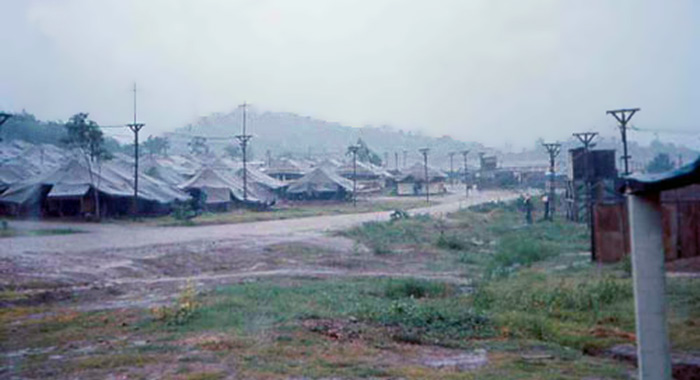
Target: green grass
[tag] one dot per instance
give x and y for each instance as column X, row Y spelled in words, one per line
column 289, row 211
column 12, row 232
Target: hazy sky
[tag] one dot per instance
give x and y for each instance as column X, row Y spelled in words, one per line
column 493, row 71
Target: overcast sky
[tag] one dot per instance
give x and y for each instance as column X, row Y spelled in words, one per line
column 499, row 72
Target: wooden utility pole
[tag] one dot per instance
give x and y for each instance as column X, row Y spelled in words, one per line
column 553, row 150
column 425, row 151
column 466, row 178
column 135, row 127
column 623, row 116
column 353, row 149
column 243, row 139
column 452, row 170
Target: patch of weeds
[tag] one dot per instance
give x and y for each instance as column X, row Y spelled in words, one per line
column 452, row 242
column 416, row 288
column 112, row 361
column 518, row 250
column 206, row 376
column 182, row 311
column 380, row 236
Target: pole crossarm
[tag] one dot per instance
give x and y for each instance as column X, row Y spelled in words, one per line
column 623, row 116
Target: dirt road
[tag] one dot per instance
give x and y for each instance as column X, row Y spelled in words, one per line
column 133, row 256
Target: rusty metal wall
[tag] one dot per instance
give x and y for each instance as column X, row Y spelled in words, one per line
column 680, row 222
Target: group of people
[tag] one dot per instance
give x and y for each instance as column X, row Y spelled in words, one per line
column 528, row 207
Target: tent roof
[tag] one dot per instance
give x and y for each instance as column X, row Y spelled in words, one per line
column 285, row 165
column 363, row 170
column 112, row 178
column 320, row 180
column 260, row 178
column 208, row 178
column 416, row 172
column 672, row 179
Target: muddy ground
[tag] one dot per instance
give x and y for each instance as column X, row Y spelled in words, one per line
column 132, row 265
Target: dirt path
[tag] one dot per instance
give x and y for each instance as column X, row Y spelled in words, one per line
column 116, row 264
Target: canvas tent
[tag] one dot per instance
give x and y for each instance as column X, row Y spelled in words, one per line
column 412, row 181
column 70, row 190
column 320, row 184
column 219, row 191
column 285, row 170
column 261, row 179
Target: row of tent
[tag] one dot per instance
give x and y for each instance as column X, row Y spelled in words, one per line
column 46, row 180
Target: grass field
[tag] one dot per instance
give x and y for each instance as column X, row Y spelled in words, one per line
column 292, row 210
column 532, row 301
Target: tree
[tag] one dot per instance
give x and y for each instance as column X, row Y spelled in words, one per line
column 233, row 150
column 156, row 145
column 198, row 145
column 85, row 137
column 660, row 163
column 364, row 154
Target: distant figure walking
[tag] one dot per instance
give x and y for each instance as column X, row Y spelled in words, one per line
column 528, row 209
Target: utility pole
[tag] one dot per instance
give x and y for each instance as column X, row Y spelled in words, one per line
column 3, row 118
column 135, row 127
column 425, row 151
column 353, row 149
column 586, row 138
column 452, row 170
column 466, row 178
column 404, row 158
column 553, row 150
column 396, row 161
column 623, row 116
column 269, row 158
column 243, row 140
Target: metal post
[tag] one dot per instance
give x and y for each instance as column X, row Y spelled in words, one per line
column 623, row 116
column 425, row 151
column 649, row 277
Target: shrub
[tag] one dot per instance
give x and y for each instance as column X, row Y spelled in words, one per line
column 182, row 311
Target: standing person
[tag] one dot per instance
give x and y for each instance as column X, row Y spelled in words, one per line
column 528, row 209
column 545, row 201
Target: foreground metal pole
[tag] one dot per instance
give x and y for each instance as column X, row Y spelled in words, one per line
column 649, row 275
